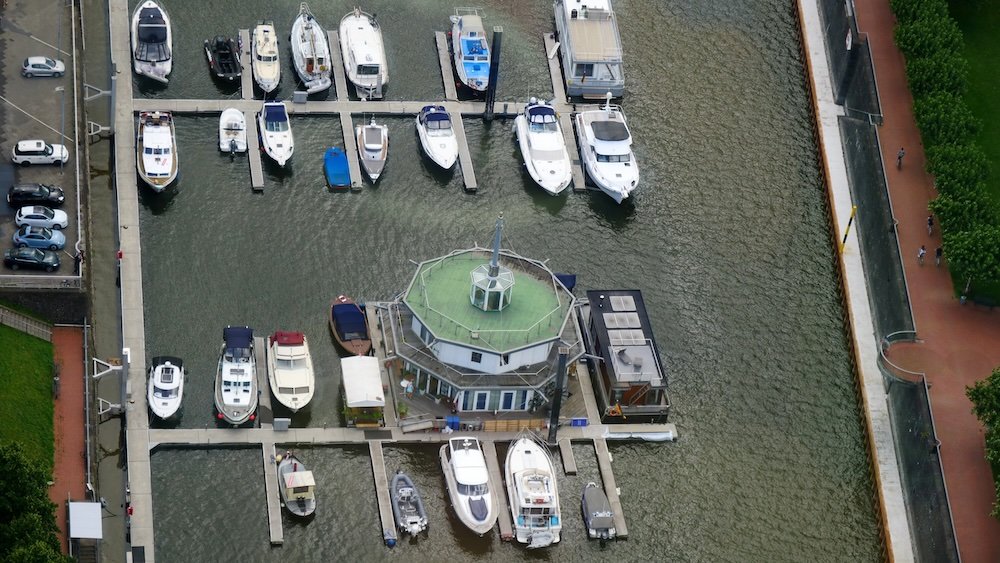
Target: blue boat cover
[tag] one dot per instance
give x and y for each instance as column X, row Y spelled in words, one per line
column 350, row 322
column 237, row 336
column 568, row 280
column 439, row 113
column 541, row 114
column 275, row 113
column 335, row 166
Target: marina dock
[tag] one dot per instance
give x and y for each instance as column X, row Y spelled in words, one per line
column 249, row 114
column 568, row 459
column 276, row 532
column 382, row 493
column 464, row 158
column 564, row 108
column 610, row 486
column 444, row 58
column 503, row 509
column 339, row 77
column 263, row 383
column 246, row 64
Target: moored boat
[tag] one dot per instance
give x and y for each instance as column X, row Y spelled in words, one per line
column 156, row 149
column 373, row 148
column 264, row 50
column 275, row 131
column 232, row 131
column 606, row 150
column 543, row 146
column 165, row 389
column 310, row 51
column 472, row 494
column 152, row 41
column 437, row 137
column 407, row 506
column 597, row 515
column 471, row 51
column 349, row 326
column 296, row 485
column 533, row 494
column 223, row 56
column 236, row 377
column 336, row 168
column 290, row 369
column 590, row 47
column 363, row 51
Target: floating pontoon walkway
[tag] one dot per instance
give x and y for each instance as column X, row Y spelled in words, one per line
column 563, row 108
column 273, row 499
column 500, row 492
column 249, row 113
column 382, row 493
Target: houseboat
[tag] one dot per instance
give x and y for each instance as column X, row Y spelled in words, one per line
column 591, row 48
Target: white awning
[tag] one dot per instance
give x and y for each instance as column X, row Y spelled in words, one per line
column 362, row 382
column 299, row 479
column 85, row 521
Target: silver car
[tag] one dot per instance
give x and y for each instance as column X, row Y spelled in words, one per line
column 42, row 66
column 40, row 216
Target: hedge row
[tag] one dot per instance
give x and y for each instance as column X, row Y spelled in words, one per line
column 985, row 397
column 937, row 71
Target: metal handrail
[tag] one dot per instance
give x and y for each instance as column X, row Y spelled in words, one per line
column 887, row 341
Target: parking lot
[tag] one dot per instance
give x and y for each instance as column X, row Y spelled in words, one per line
column 38, row 108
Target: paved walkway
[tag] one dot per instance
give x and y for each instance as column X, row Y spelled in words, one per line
column 70, row 472
column 959, row 344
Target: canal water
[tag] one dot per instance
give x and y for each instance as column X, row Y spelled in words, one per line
column 726, row 236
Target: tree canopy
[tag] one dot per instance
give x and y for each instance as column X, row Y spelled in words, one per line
column 28, row 531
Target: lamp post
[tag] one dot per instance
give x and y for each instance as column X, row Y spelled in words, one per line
column 62, row 122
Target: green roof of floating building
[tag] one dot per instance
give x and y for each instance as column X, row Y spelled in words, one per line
column 439, row 295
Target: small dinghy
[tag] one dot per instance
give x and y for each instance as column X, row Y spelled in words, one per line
column 597, row 514
column 223, row 58
column 349, row 326
column 232, row 131
column 373, row 148
column 296, row 485
column 166, row 386
column 338, row 174
column 407, row 507
column 437, row 136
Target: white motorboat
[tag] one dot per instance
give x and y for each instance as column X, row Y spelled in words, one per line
column 275, row 132
column 364, row 53
column 156, row 149
column 373, row 148
column 290, row 369
column 264, row 49
column 310, row 51
column 533, row 494
column 165, row 389
column 152, row 41
column 236, row 378
column 472, row 494
column 543, row 146
column 606, row 150
column 436, row 136
column 471, row 51
column 296, row 485
column 232, row 131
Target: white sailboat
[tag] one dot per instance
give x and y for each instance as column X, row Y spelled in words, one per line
column 606, row 150
column 165, row 389
column 472, row 494
column 156, row 149
column 543, row 147
column 373, row 148
column 290, row 369
column 264, row 50
column 152, row 41
column 236, row 378
column 232, row 131
column 364, row 53
column 275, row 132
column 437, row 136
column 533, row 493
column 310, row 51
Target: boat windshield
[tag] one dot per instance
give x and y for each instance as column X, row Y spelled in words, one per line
column 473, row 490
column 439, row 124
column 367, row 70
column 152, row 52
column 267, row 58
column 292, row 363
column 164, row 393
column 614, row 157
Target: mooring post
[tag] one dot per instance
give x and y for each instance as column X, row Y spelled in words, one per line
column 491, row 88
column 557, row 400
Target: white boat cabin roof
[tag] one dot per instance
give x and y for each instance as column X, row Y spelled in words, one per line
column 295, row 479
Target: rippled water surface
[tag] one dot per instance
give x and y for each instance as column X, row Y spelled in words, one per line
column 727, row 238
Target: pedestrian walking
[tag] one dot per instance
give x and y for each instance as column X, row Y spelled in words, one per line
column 921, row 253
column 77, row 261
column 930, row 224
column 937, row 256
column 899, row 158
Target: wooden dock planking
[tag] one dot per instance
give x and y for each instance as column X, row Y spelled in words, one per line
column 610, row 487
column 568, row 459
column 254, row 154
column 555, row 73
column 389, row 412
column 337, row 65
column 499, row 491
column 464, row 158
column 382, row 491
column 246, row 63
column 564, row 108
column 579, row 180
column 263, row 376
column 351, row 150
column 275, row 530
column 447, row 74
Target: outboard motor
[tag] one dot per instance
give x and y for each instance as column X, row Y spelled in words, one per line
column 232, row 148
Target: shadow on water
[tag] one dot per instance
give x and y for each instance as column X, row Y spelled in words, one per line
column 147, row 87
column 158, row 202
column 617, row 216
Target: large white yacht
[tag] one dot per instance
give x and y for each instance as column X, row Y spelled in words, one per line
column 290, row 369
column 276, row 132
column 533, row 494
column 543, row 147
column 264, row 50
column 472, row 53
column 606, row 150
column 310, row 51
column 364, row 53
column 152, row 41
column 236, row 378
column 156, row 149
column 472, row 494
column 165, row 389
column 437, row 136
column 591, row 48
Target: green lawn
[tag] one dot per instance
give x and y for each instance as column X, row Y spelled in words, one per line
column 979, row 21
column 26, row 394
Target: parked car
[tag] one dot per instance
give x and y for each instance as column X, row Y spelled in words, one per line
column 42, row 66
column 40, row 216
column 17, row 258
column 35, row 194
column 39, row 237
column 38, row 152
